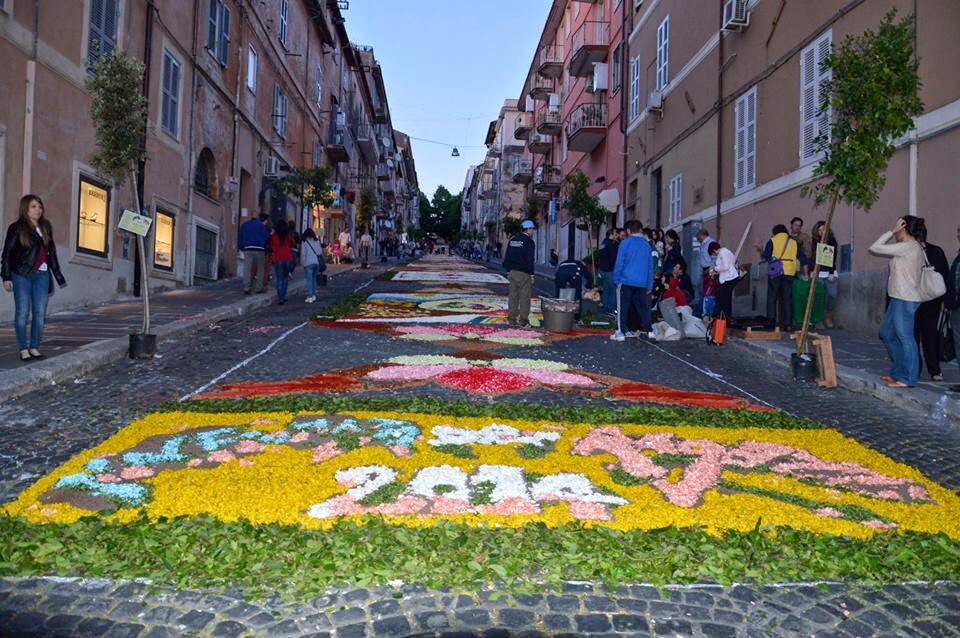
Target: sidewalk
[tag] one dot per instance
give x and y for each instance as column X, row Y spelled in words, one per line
column 76, row 341
column 860, row 364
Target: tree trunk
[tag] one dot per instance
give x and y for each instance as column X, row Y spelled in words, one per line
column 824, row 234
column 144, row 279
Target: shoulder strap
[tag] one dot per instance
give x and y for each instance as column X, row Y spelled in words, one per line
column 785, row 244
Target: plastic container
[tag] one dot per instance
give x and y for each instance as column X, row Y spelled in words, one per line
column 800, row 291
column 559, row 315
column 804, row 367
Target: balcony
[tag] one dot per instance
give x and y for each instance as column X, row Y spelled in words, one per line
column 367, row 142
column 586, row 127
column 541, row 88
column 383, row 172
column 539, row 143
column 340, row 145
column 522, row 171
column 548, row 179
column 522, row 127
column 494, row 150
column 549, row 122
column 487, row 190
column 551, row 61
column 589, row 45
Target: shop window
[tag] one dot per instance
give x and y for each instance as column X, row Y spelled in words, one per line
column 94, row 217
column 163, row 234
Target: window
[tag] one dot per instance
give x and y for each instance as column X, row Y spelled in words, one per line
column 218, row 31
column 618, row 67
column 745, row 143
column 102, row 36
column 94, row 217
column 163, row 227
column 279, row 112
column 170, row 95
column 676, row 198
column 284, row 10
column 316, row 153
column 252, row 64
column 814, row 121
column 663, row 54
column 319, row 86
column 634, row 88
column 203, row 176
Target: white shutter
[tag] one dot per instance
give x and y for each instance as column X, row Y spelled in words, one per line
column 676, row 192
column 170, row 100
column 102, row 29
column 634, row 88
column 745, row 148
column 812, row 123
column 663, row 53
column 319, row 86
column 276, row 108
column 252, row 69
column 283, row 21
column 223, row 47
column 554, row 103
column 212, row 17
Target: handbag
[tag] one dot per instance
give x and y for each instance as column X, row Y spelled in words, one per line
column 718, row 330
column 775, row 267
column 321, row 268
column 932, row 285
column 946, row 338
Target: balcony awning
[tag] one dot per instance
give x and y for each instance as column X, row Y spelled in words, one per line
column 610, row 199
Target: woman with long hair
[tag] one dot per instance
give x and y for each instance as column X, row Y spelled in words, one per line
column 29, row 267
column 903, row 290
column 828, row 274
column 281, row 251
column 928, row 314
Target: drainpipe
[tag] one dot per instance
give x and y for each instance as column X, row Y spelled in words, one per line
column 142, row 164
column 624, row 87
column 31, row 84
column 914, row 148
column 234, row 168
column 188, row 272
column 719, row 189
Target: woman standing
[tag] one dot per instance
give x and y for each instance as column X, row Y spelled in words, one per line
column 672, row 255
column 29, row 266
column 281, row 250
column 313, row 263
column 828, row 274
column 928, row 314
column 903, row 289
column 727, row 274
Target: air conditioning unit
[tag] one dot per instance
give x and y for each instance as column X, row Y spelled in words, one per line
column 272, row 167
column 655, row 102
column 736, row 16
column 600, row 77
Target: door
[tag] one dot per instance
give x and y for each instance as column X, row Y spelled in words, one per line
column 656, row 193
column 205, row 254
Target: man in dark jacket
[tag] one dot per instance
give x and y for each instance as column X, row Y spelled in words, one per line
column 252, row 240
column 573, row 273
column 608, row 261
column 519, row 262
column 952, row 303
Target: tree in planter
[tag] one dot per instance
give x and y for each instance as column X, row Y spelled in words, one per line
column 873, row 95
column 585, row 208
column 119, row 113
column 366, row 208
column 511, row 226
column 310, row 185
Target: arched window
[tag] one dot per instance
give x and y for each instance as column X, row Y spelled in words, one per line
column 204, row 178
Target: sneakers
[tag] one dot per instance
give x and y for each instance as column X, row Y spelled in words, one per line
column 617, row 336
column 310, row 300
column 633, row 334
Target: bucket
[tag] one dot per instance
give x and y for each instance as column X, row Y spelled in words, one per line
column 804, row 367
column 568, row 294
column 142, row 346
column 558, row 314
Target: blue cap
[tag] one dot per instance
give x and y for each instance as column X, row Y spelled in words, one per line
column 527, row 224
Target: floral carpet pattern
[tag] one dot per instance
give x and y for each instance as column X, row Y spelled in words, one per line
column 451, row 276
column 421, row 307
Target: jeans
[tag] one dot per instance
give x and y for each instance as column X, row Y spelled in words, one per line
column 780, row 297
column 897, row 333
column 567, row 281
column 310, row 272
column 609, row 298
column 833, row 288
column 30, row 296
column 636, row 298
column 281, row 269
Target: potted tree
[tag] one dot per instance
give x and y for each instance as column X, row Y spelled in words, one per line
column 119, row 113
column 586, row 209
column 310, row 185
column 872, row 96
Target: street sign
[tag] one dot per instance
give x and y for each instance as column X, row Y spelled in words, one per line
column 134, row 223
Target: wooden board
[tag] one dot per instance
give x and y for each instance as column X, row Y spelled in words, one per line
column 826, row 367
column 756, row 334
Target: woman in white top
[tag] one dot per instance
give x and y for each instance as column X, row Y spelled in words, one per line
column 903, row 289
column 727, row 272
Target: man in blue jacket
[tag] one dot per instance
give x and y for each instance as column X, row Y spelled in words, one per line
column 633, row 274
column 252, row 239
column 519, row 262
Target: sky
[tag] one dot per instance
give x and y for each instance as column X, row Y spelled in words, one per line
column 448, row 65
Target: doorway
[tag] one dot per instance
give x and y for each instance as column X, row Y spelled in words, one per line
column 656, row 193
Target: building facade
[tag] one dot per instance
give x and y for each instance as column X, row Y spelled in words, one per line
column 238, row 93
column 721, row 118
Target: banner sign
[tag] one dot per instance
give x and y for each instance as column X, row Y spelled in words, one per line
column 134, row 223
column 825, row 254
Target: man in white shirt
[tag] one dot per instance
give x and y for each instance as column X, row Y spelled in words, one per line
column 366, row 244
column 344, row 239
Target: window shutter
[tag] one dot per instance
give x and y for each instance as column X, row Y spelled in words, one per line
column 95, row 37
column 811, row 95
column 823, row 75
column 745, row 149
column 110, row 8
column 283, row 21
column 276, row 108
column 212, row 18
column 224, row 42
column 634, row 88
column 676, row 191
column 319, row 85
column 663, row 51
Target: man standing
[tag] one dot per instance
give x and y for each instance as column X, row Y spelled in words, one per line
column 952, row 302
column 633, row 274
column 366, row 244
column 607, row 262
column 344, row 240
column 802, row 239
column 519, row 262
column 252, row 240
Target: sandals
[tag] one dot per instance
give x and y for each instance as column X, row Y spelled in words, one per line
column 25, row 355
column 887, row 378
column 896, row 385
column 36, row 354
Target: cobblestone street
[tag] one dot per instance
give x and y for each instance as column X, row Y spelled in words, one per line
column 45, row 428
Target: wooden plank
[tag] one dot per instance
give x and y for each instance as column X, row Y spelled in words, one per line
column 825, row 362
column 752, row 333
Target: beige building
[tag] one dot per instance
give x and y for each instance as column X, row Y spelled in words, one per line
column 720, row 123
column 239, row 91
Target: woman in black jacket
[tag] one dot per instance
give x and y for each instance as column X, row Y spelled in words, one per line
column 29, row 265
column 928, row 314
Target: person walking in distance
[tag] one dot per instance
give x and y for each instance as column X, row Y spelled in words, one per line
column 519, row 263
column 952, row 303
column 252, row 240
column 633, row 274
column 903, row 289
column 281, row 247
column 29, row 267
column 928, row 314
column 311, row 252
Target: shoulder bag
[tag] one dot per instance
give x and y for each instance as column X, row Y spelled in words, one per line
column 775, row 267
column 932, row 285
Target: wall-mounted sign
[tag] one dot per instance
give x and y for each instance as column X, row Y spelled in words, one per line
column 134, row 223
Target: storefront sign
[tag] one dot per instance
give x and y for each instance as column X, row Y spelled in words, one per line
column 134, row 223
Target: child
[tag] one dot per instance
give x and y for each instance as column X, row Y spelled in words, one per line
column 710, row 288
column 335, row 250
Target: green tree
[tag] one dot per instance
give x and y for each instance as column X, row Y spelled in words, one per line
column 511, row 226
column 367, row 208
column 585, row 208
column 309, row 185
column 873, row 96
column 119, row 113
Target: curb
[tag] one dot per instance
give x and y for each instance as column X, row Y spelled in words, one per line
column 854, row 380
column 17, row 382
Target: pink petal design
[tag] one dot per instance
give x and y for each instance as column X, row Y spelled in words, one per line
column 829, row 512
column 108, row 478
column 612, row 441
column 246, row 462
column 412, row 372
column 877, row 524
column 444, row 505
column 550, row 377
column 509, row 506
column 400, row 451
column 221, row 456
column 584, row 511
column 300, row 437
column 136, row 472
column 248, row 447
column 325, row 451
column 194, row 462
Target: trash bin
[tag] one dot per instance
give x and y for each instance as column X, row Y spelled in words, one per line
column 800, row 291
column 558, row 314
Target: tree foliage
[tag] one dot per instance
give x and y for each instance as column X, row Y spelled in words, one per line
column 119, row 112
column 442, row 214
column 511, row 226
column 310, row 185
column 873, row 94
column 366, row 208
column 583, row 207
